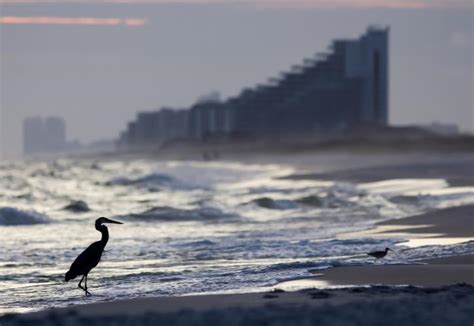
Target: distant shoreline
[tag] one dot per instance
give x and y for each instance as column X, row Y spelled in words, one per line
column 218, row 149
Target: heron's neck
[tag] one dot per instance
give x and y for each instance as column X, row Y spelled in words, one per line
column 105, row 234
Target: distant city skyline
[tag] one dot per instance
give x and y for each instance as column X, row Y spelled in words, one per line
column 99, row 76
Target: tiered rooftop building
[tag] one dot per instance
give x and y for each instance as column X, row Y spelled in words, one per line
column 330, row 93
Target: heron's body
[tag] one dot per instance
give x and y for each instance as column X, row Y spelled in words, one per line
column 86, row 261
column 379, row 254
column 90, row 257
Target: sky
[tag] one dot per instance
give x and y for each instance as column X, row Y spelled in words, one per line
column 98, row 62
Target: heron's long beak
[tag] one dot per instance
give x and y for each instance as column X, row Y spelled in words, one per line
column 108, row 220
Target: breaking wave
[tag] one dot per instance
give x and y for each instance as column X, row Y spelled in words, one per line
column 152, row 181
column 77, row 206
column 14, row 216
column 166, row 213
column 267, row 202
column 329, row 200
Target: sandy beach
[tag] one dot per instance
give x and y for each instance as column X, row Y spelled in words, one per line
column 399, row 306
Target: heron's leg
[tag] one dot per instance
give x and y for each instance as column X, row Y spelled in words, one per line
column 87, row 292
column 80, row 284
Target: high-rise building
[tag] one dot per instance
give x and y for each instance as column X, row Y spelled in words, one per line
column 54, row 134
column 366, row 59
column 330, row 93
column 44, row 135
column 156, row 127
column 32, row 135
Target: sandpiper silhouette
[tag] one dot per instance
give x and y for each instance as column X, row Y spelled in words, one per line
column 379, row 254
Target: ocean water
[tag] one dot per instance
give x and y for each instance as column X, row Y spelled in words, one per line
column 191, row 227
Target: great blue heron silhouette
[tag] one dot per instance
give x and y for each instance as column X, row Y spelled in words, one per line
column 90, row 257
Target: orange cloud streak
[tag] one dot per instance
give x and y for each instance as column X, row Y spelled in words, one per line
column 91, row 21
column 403, row 4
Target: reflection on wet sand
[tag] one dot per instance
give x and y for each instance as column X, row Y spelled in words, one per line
column 419, row 242
column 301, row 284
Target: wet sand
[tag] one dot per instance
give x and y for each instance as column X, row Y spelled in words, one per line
column 350, row 306
column 442, row 227
column 436, row 272
column 455, row 222
column 380, row 305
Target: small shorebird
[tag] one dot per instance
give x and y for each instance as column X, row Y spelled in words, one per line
column 379, row 254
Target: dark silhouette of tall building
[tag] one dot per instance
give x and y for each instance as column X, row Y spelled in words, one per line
column 44, row 135
column 330, row 93
column 32, row 135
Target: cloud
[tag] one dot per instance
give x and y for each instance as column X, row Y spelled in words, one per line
column 402, row 4
column 91, row 21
